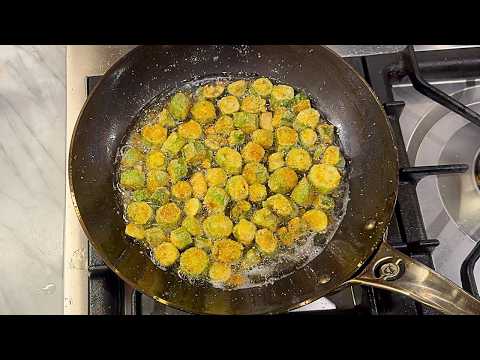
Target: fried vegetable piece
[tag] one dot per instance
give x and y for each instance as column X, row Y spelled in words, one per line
column 257, row 192
column 132, row 179
column 219, row 272
column 324, row 177
column 214, row 142
column 245, row 121
column 319, row 150
column 199, row 185
column 265, row 218
column 179, row 106
column 139, row 212
column 280, row 205
column 154, row 236
column 206, row 164
column 173, row 144
column 177, row 169
column 251, row 259
column 227, row 251
column 190, row 130
column 212, row 91
column 244, row 231
column 230, row 160
column 307, row 118
column 282, row 92
column 156, row 178
column 168, row 214
column 216, row 177
column 308, row 137
column 299, row 159
column 165, row 119
column 154, row 134
column 263, row 137
column 203, row 111
column 210, row 130
column 303, row 193
column 194, row 152
column 254, row 172
column 266, row 120
column 240, row 209
column 236, row 137
column 282, row 117
column 326, row 132
column 301, row 105
column 237, row 188
column 131, row 157
column 316, row 219
column 193, row 262
column 224, row 125
column 216, row 199
column 203, row 243
column 160, row 196
column 282, row 95
column 140, row 195
column 237, row 88
column 253, row 152
column 266, row 242
column 285, row 237
column 182, row 190
column 331, row 156
column 192, row 225
column 217, row 226
column 323, row 202
column 297, row 227
column 181, row 238
column 253, row 104
column 228, row 104
column 192, row 206
column 166, row 254
column 275, row 161
column 135, row 231
column 155, row 160
column 286, row 137
column 283, row 180
column 262, row 87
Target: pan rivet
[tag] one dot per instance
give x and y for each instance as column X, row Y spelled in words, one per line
column 370, row 225
column 390, row 270
column 324, row 278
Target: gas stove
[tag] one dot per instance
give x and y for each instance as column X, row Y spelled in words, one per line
column 438, row 207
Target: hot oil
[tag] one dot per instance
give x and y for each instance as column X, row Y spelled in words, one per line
column 287, row 260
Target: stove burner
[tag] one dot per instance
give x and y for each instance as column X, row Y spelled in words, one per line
column 443, row 137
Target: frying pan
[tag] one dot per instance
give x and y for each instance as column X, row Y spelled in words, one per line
column 356, row 254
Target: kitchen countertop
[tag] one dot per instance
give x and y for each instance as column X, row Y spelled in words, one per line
column 32, row 162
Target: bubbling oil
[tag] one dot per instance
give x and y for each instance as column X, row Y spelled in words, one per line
column 270, row 269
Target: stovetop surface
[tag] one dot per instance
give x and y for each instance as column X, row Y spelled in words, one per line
column 107, row 294
column 450, row 205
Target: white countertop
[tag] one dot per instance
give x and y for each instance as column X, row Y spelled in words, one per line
column 32, row 163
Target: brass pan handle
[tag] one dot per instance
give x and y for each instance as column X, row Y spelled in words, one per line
column 394, row 271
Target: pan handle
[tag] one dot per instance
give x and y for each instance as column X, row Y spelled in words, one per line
column 394, row 271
